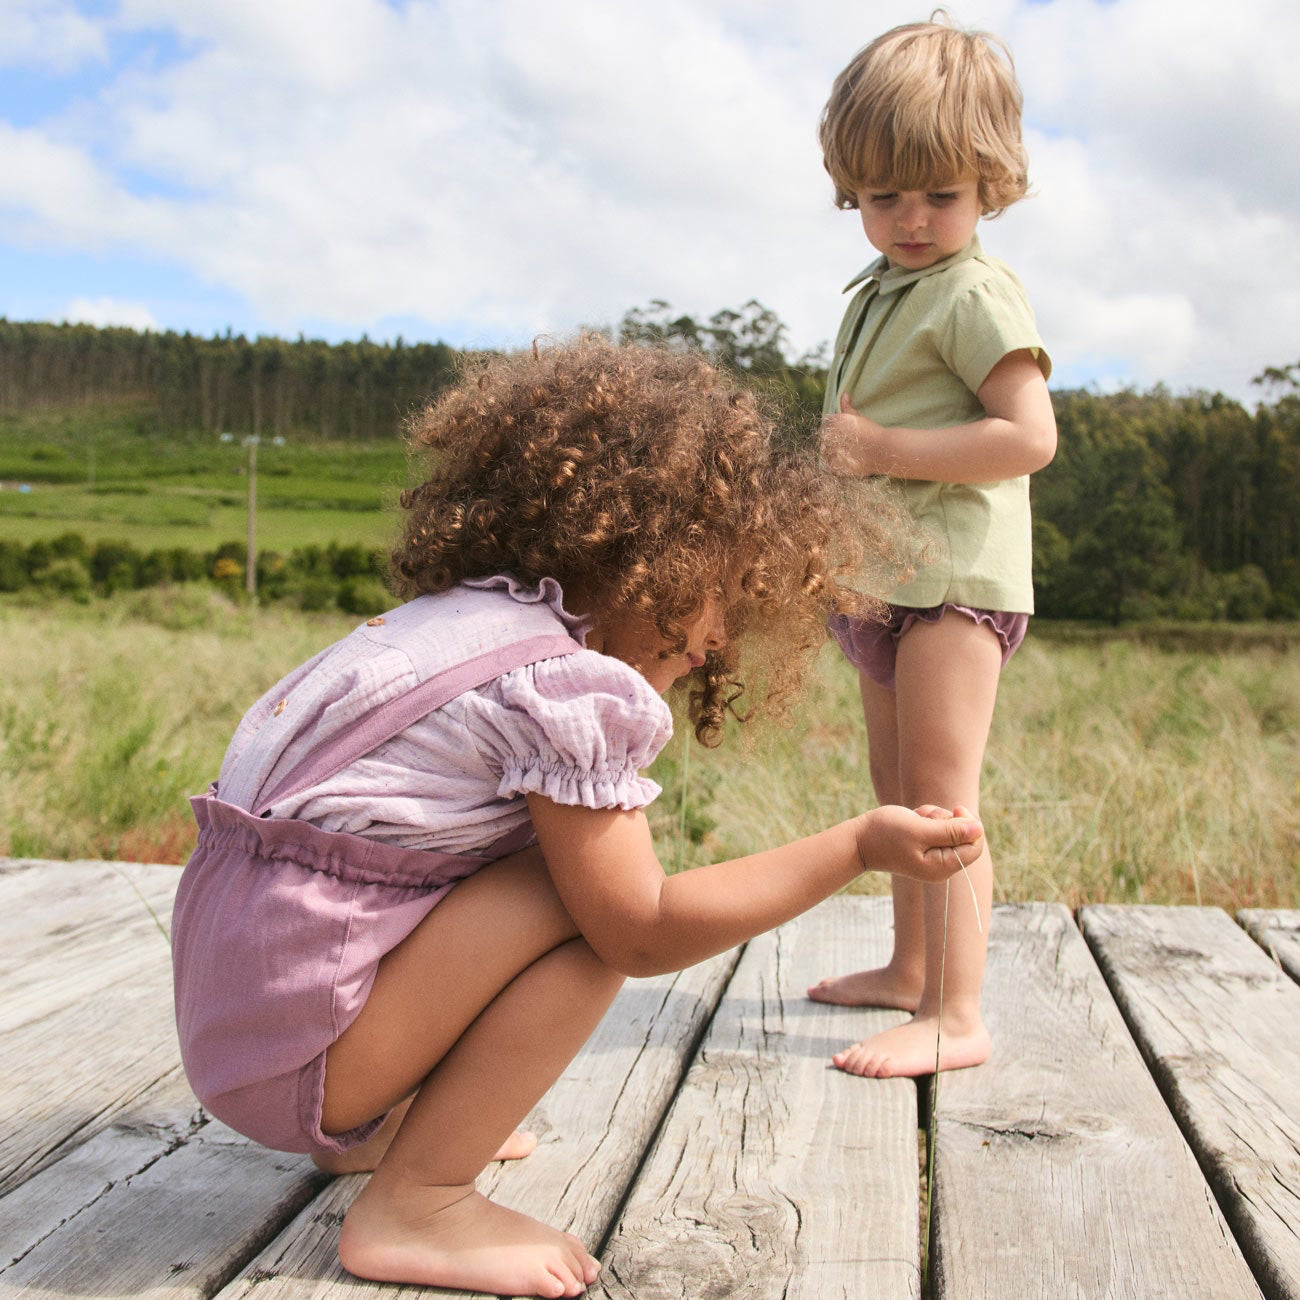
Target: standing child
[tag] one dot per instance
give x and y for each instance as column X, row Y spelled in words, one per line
column 938, row 380
column 372, row 964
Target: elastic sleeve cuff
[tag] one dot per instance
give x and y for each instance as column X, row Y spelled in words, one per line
column 621, row 788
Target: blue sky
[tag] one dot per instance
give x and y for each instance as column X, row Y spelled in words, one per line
column 481, row 171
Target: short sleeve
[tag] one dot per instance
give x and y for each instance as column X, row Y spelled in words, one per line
column 578, row 729
column 991, row 319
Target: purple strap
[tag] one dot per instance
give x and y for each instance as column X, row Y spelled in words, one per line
column 397, row 714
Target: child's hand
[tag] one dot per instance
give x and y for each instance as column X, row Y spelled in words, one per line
column 928, row 844
column 851, row 443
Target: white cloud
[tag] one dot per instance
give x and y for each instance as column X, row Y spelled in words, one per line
column 47, row 34
column 110, row 311
column 514, row 167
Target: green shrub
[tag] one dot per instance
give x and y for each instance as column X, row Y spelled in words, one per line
column 70, row 546
column 13, row 566
column 363, row 596
column 316, row 594
column 67, row 577
column 352, row 561
column 1247, row 595
column 115, row 566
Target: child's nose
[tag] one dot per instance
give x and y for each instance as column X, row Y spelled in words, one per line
column 912, row 215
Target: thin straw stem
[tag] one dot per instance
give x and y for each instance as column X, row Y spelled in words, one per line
column 681, row 807
column 934, row 1082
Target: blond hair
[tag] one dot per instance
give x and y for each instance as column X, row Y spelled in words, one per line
column 924, row 105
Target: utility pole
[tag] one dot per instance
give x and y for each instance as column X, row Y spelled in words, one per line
column 251, row 441
column 250, row 568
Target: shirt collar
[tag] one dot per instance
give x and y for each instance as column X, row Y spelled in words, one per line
column 890, row 279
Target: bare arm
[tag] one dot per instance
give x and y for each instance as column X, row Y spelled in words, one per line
column 643, row 922
column 1017, row 435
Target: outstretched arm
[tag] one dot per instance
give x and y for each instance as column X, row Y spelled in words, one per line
column 643, row 922
column 1017, row 435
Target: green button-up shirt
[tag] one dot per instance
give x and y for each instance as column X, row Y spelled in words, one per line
column 912, row 352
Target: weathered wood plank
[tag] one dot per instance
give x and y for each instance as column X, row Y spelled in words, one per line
column 1219, row 1025
column 593, row 1126
column 175, row 1228
column 1058, row 1170
column 776, row 1175
column 1278, row 933
column 43, row 899
column 86, row 1029
column 67, row 928
column 63, row 1190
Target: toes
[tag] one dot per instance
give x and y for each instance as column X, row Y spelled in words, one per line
column 567, row 1281
column 517, row 1146
column 579, row 1268
column 554, row 1286
column 851, row 1061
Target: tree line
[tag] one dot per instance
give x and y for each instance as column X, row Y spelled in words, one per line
column 1157, row 504
column 224, row 384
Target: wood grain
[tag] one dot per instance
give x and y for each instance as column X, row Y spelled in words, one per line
column 1058, row 1170
column 593, row 1126
column 777, row 1175
column 1219, row 1024
column 1061, row 1170
column 1278, row 933
column 174, row 1229
column 86, row 1026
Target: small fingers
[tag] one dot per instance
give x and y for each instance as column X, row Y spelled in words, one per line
column 933, row 811
column 964, row 830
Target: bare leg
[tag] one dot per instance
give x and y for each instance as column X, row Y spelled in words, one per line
column 899, row 983
column 947, row 678
column 477, row 1013
column 366, row 1157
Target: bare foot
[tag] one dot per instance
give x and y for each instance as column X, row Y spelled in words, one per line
column 455, row 1237
column 909, row 1050
column 365, row 1158
column 882, row 987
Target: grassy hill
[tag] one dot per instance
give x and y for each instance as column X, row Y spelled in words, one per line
column 97, row 472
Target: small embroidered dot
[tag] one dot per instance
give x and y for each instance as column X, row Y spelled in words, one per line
column 279, row 708
column 375, row 622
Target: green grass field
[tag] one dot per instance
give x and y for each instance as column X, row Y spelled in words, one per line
column 1116, row 771
column 113, row 481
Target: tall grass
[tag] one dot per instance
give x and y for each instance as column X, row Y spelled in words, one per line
column 111, row 714
column 1116, row 771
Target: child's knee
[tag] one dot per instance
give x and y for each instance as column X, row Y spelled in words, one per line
column 520, row 886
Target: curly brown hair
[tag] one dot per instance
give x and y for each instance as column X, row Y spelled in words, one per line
column 647, row 481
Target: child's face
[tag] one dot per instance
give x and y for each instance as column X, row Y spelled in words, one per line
column 640, row 645
column 917, row 228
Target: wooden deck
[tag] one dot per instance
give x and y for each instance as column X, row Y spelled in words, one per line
column 1137, row 1133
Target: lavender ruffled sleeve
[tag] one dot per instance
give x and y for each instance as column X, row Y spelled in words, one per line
column 578, row 729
